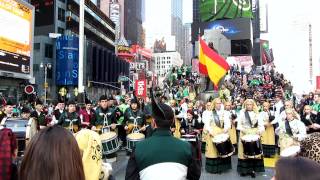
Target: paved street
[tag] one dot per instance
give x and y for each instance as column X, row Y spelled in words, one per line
column 119, row 169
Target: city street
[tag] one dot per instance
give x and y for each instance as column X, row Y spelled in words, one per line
column 119, row 168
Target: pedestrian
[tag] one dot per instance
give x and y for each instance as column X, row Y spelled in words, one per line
column 163, row 156
column 8, row 152
column 91, row 151
column 53, row 154
column 296, row 168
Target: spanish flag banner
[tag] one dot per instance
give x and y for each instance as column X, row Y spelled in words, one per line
column 215, row 65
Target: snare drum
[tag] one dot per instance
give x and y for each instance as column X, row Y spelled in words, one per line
column 252, row 147
column 291, row 151
column 110, row 143
column 189, row 138
column 223, row 145
column 132, row 139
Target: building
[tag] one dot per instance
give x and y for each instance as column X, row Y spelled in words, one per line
column 102, row 66
column 186, row 44
column 133, row 18
column 114, row 9
column 177, row 26
column 164, row 62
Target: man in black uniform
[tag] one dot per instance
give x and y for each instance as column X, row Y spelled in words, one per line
column 162, row 156
column 134, row 118
column 8, row 111
column 60, row 110
column 104, row 115
column 39, row 115
column 70, row 119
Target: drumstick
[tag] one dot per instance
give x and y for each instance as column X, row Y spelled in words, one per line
column 111, row 125
column 143, row 127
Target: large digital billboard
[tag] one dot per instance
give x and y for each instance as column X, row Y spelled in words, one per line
column 16, row 33
column 211, row 10
column 67, row 63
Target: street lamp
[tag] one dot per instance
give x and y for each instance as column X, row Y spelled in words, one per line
column 45, row 66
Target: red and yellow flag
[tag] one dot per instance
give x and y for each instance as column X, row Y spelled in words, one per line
column 211, row 62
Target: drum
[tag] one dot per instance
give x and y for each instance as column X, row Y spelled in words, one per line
column 19, row 128
column 132, row 139
column 110, row 143
column 252, row 147
column 291, row 151
column 223, row 145
column 189, row 138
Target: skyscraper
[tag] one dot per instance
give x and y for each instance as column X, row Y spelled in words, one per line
column 177, row 26
column 133, row 18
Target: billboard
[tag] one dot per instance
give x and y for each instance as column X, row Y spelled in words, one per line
column 16, row 36
column 233, row 29
column 141, row 88
column 67, row 64
column 211, row 10
column 115, row 17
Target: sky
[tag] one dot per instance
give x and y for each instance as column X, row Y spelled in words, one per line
column 288, row 36
column 158, row 18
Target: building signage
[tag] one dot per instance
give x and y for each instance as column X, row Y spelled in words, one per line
column 16, row 35
column 67, row 60
column 141, row 88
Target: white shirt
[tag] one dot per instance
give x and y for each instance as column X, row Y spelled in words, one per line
column 244, row 124
column 223, row 115
column 297, row 127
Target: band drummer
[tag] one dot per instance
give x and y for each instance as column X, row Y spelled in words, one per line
column 249, row 123
column 104, row 116
column 219, row 124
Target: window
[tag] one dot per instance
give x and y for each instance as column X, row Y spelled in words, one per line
column 168, row 62
column 163, row 57
column 61, row 14
column 168, row 57
column 60, row 30
column 35, row 67
column 36, row 46
column 48, row 53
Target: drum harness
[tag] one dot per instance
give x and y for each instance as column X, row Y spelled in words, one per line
column 217, row 120
column 135, row 123
column 70, row 123
column 247, row 116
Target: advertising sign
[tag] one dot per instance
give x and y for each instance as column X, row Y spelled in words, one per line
column 115, row 17
column 16, row 33
column 211, row 10
column 141, row 88
column 233, row 29
column 67, row 60
column 318, row 82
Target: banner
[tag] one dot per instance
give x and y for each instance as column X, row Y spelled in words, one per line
column 211, row 10
column 67, row 63
column 318, row 82
column 141, row 88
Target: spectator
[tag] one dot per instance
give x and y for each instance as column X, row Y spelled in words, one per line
column 296, row 168
column 8, row 152
column 53, row 153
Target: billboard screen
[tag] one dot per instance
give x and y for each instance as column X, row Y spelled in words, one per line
column 15, row 36
column 211, row 10
column 67, row 50
column 233, row 29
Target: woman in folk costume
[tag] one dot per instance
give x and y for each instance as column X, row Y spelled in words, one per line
column 249, row 123
column 219, row 124
column 91, row 151
column 207, row 116
column 268, row 136
column 175, row 128
column 233, row 118
column 291, row 131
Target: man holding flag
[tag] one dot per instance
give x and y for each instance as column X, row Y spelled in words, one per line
column 211, row 63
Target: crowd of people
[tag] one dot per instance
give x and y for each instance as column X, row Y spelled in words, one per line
column 255, row 115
